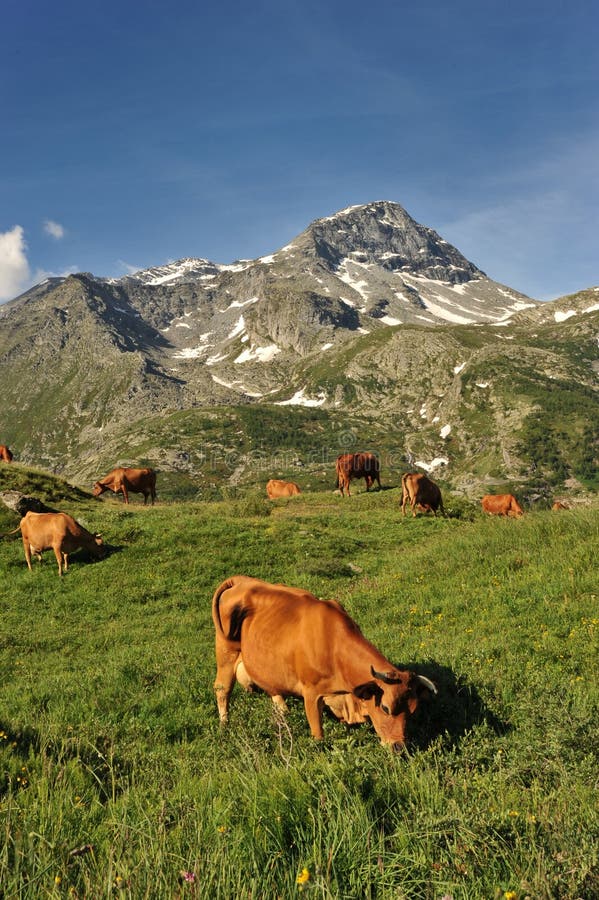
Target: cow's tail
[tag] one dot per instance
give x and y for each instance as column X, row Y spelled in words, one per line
column 216, row 604
column 8, row 533
column 404, row 489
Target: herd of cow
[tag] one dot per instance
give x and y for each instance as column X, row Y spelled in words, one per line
column 283, row 640
column 418, row 490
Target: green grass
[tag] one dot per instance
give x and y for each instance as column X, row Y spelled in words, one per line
column 115, row 777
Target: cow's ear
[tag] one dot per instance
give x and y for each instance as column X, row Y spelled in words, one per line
column 367, row 690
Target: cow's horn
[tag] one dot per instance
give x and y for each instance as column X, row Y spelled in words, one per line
column 382, row 676
column 428, row 683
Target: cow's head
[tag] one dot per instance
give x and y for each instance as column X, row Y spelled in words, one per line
column 389, row 701
column 98, row 489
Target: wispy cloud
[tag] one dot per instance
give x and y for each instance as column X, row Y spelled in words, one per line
column 14, row 266
column 54, row 229
column 127, row 267
column 539, row 223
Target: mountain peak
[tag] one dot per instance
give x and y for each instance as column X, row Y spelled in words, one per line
column 383, row 233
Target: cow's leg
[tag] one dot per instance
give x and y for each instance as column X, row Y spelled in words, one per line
column 27, row 549
column 125, row 494
column 65, row 561
column 313, row 704
column 226, row 660
column 58, row 555
column 279, row 704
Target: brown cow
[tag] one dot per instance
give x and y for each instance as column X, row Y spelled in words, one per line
column 5, row 453
column 501, row 505
column 559, row 505
column 276, row 488
column 421, row 492
column 136, row 481
column 292, row 644
column 61, row 532
column 357, row 465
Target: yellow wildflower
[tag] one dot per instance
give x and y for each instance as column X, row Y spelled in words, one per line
column 303, row 876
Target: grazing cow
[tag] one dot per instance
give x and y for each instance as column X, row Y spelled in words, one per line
column 559, row 505
column 5, row 453
column 276, row 488
column 288, row 643
column 501, row 505
column 419, row 490
column 136, row 481
column 61, row 532
column 357, row 465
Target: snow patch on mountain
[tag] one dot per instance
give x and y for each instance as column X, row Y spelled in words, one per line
column 434, row 464
column 236, row 304
column 213, row 360
column 262, row 354
column 300, row 399
column 442, row 313
column 235, row 386
column 389, row 320
column 238, row 329
column 562, row 316
column 194, row 352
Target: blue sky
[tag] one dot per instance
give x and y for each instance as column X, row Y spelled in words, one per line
column 135, row 133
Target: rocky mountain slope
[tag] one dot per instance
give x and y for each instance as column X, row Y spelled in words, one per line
column 367, row 317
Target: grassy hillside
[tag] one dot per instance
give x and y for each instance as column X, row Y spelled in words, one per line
column 116, row 779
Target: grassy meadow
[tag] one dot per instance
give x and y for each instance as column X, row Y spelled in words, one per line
column 117, row 781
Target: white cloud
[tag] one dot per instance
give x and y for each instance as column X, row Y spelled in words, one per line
column 54, row 229
column 127, row 267
column 14, row 266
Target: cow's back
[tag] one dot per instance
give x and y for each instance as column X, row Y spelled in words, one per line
column 501, row 505
column 52, row 528
column 277, row 488
column 44, row 528
column 139, row 477
column 280, row 629
column 366, row 464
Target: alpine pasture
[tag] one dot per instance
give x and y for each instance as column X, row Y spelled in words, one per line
column 117, row 779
